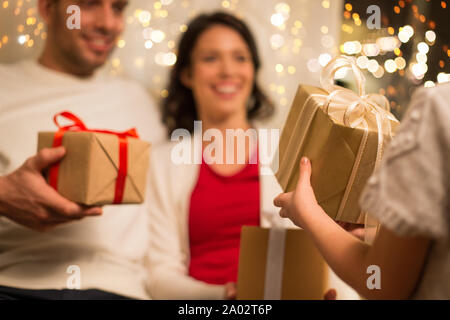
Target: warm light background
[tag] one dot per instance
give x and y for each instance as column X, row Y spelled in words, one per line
column 289, row 33
column 295, row 38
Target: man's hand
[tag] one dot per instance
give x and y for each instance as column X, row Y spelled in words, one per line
column 26, row 198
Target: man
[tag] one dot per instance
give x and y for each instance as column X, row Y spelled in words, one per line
column 49, row 244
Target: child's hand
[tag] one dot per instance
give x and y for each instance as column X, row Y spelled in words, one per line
column 295, row 205
column 355, row 229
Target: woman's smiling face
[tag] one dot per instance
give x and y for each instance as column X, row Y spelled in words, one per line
column 221, row 75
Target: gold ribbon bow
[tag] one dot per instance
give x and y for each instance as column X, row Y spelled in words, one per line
column 355, row 110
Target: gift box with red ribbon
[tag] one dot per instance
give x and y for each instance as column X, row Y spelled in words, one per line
column 100, row 166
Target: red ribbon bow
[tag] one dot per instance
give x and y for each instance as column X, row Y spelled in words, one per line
column 78, row 125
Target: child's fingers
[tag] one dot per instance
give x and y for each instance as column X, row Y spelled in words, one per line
column 283, row 213
column 282, row 199
column 359, row 233
column 305, row 172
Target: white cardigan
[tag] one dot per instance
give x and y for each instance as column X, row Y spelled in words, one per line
column 168, row 259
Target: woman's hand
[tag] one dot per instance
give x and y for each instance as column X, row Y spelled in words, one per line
column 302, row 201
column 330, row 295
column 230, row 291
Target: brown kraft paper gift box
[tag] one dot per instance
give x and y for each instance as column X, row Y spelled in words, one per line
column 88, row 171
column 304, row 273
column 339, row 153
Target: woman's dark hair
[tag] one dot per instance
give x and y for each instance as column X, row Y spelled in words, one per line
column 178, row 108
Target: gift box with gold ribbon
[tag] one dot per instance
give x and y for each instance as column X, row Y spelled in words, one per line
column 343, row 133
column 280, row 264
column 100, row 166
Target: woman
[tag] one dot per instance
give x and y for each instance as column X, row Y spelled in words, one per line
column 199, row 209
column 410, row 257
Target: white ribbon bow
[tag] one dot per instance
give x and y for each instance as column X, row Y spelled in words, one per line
column 355, row 109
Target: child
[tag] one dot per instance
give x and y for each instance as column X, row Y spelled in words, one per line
column 409, row 196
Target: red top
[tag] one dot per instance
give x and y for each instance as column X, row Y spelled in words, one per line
column 220, row 206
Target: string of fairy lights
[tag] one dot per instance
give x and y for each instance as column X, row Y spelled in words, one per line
column 392, row 43
column 147, row 46
column 399, row 53
column 155, row 29
column 287, row 37
column 30, row 30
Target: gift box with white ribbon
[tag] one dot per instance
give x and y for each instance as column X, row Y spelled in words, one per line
column 280, row 264
column 343, row 133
